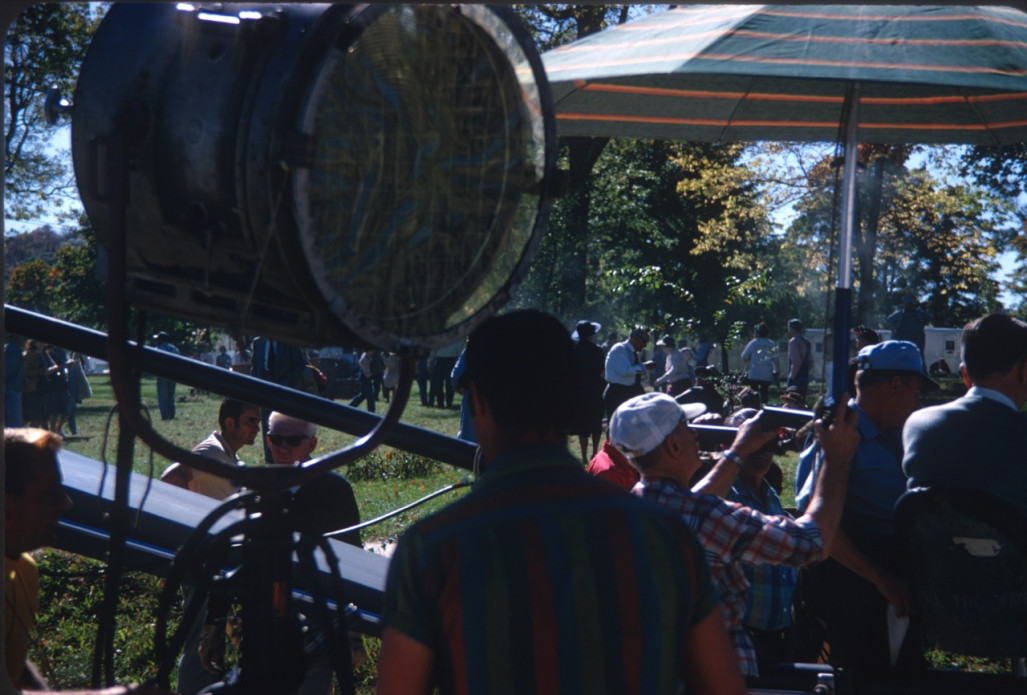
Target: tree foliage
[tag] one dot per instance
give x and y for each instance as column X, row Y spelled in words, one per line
column 42, row 242
column 44, row 48
column 941, row 245
column 1000, row 168
column 678, row 240
column 919, row 235
column 29, row 286
column 79, row 285
column 554, row 25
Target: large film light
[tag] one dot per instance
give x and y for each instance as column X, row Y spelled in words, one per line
column 323, row 174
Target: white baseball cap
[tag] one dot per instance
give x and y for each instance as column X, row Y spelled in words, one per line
column 641, row 423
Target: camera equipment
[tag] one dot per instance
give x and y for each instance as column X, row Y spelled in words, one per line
column 348, row 174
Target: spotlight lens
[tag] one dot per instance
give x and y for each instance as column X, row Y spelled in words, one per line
column 427, row 153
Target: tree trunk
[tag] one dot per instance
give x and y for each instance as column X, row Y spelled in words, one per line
column 582, row 156
column 867, row 246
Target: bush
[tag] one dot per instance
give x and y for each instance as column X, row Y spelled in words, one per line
column 393, row 464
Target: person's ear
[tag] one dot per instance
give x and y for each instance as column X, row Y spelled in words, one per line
column 671, row 445
column 479, row 406
column 966, row 377
column 1021, row 371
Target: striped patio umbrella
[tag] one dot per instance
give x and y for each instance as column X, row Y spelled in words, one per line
column 951, row 74
column 888, row 74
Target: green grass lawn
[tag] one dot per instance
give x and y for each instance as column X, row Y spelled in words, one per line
column 383, row 481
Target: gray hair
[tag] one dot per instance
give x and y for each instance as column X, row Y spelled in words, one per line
column 276, row 417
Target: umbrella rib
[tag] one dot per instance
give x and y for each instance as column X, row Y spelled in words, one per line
column 972, row 105
column 734, row 109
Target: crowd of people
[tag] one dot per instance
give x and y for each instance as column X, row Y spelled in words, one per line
column 822, row 584
column 681, row 562
column 43, row 385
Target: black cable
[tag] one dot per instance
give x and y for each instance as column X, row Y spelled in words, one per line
column 343, row 656
column 397, row 512
column 103, row 649
column 189, row 556
column 329, row 624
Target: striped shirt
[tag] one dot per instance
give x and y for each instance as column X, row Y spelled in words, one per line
column 547, row 580
column 771, row 587
column 730, row 535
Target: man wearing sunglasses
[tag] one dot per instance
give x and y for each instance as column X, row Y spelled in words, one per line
column 292, row 440
column 328, row 500
column 327, row 504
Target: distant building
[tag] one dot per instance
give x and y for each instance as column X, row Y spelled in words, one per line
column 941, row 343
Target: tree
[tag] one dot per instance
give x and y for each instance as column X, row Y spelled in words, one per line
column 79, row 289
column 44, row 48
column 554, row 25
column 917, row 235
column 29, row 287
column 42, row 242
column 678, row 241
column 941, row 243
column 1000, row 168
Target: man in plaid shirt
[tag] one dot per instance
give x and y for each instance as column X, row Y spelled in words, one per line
column 652, row 430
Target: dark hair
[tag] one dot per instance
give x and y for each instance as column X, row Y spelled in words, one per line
column 795, row 325
column 231, row 409
column 749, row 398
column 522, row 364
column 762, row 329
column 993, row 344
column 869, row 334
column 26, row 450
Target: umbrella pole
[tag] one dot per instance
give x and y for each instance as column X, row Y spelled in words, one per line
column 843, row 293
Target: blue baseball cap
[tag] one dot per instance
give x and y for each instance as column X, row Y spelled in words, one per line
column 895, row 356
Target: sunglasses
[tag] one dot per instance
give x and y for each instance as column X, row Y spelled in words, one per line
column 287, row 439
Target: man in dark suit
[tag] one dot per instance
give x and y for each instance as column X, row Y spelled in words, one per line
column 980, row 440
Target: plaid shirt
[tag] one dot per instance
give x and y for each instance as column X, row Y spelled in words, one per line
column 731, row 534
column 771, row 587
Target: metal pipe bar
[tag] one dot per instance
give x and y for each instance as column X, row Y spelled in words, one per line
column 321, row 411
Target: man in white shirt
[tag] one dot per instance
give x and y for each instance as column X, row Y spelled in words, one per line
column 624, row 370
column 239, row 423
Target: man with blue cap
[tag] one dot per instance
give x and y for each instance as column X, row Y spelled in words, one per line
column 860, row 580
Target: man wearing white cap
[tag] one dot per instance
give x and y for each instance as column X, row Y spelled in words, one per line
column 652, row 430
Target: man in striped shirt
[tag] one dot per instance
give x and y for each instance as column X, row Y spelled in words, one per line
column 544, row 579
column 652, row 430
